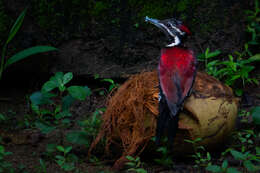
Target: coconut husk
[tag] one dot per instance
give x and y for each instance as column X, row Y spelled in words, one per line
column 130, row 119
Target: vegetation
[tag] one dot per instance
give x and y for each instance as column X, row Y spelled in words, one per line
column 49, row 109
column 4, row 62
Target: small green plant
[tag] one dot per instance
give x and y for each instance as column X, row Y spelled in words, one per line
column 201, row 156
column 113, row 85
column 52, row 108
column 224, row 168
column 166, row 157
column 253, row 26
column 210, row 66
column 42, row 168
column 246, row 139
column 244, row 115
column 135, row 165
column 4, row 165
column 4, row 62
column 233, row 69
column 67, row 160
column 247, row 159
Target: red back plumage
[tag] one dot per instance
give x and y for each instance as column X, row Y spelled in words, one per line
column 177, row 70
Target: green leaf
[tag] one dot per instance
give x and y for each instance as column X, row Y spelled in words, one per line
column 68, row 149
column 224, row 164
column 39, row 98
column 140, row 170
column 88, row 90
column 60, row 148
column 50, row 148
column 63, row 114
column 256, row 57
column 2, row 149
column 214, row 54
column 78, row 137
column 109, row 80
column 213, row 168
column 67, row 101
column 68, row 166
column 250, row 166
column 44, row 128
column 257, row 149
column 130, row 158
column 132, row 164
column 16, row 26
column 48, row 86
column 256, row 115
column 232, row 170
column 239, row 92
column 67, row 77
column 26, row 53
column 77, row 92
column 238, row 155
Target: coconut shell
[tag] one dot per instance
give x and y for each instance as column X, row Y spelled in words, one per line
column 129, row 122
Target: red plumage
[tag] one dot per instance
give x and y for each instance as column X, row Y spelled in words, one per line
column 177, row 69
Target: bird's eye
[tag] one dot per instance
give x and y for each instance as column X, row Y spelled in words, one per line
column 168, row 25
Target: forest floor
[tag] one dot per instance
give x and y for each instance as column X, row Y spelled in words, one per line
column 29, row 145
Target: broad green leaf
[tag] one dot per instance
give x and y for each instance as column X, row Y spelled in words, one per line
column 60, row 148
column 131, row 164
column 140, row 170
column 67, row 77
column 63, row 114
column 77, row 92
column 238, row 155
column 88, row 90
column 224, row 164
column 48, row 86
column 250, row 166
column 44, row 128
column 68, row 166
column 239, row 92
column 67, row 101
column 130, row 158
column 78, row 137
column 61, row 158
column 26, row 53
column 50, row 148
column 16, row 26
column 39, row 98
column 256, row 57
column 213, row 168
column 232, row 170
column 256, row 115
column 68, row 149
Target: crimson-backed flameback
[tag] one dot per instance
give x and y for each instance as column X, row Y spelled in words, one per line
column 177, row 70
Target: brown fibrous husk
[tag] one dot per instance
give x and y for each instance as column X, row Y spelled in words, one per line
column 130, row 119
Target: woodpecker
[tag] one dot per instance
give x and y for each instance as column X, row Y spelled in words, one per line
column 177, row 71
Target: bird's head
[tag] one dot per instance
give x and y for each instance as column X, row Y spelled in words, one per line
column 173, row 29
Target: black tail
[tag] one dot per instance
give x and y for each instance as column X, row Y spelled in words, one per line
column 162, row 120
column 166, row 121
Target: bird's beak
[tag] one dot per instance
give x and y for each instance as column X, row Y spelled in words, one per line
column 153, row 21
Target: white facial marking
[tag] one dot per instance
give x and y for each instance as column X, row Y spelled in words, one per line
column 177, row 29
column 175, row 43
